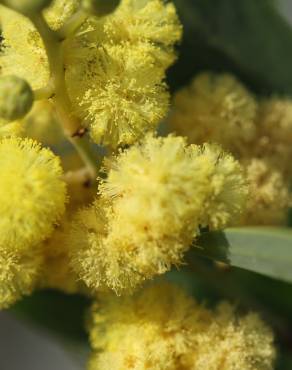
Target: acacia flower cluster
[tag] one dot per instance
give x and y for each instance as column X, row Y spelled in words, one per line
column 156, row 196
column 163, row 328
column 219, row 109
column 114, row 66
column 32, row 201
column 76, row 73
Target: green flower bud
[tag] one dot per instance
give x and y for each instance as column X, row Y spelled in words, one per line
column 100, row 7
column 16, row 98
column 28, row 7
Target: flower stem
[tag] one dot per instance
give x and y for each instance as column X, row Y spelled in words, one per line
column 44, row 92
column 72, row 25
column 72, row 127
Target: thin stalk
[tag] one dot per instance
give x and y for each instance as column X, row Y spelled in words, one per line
column 71, row 124
column 72, row 25
column 82, row 146
column 44, row 92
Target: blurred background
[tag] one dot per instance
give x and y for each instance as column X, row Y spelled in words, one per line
column 24, row 347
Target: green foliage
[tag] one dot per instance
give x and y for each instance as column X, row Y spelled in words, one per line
column 247, row 37
column 57, row 313
column 263, row 250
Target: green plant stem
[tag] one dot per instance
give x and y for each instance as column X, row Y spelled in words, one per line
column 82, row 146
column 44, row 92
column 72, row 127
column 72, row 25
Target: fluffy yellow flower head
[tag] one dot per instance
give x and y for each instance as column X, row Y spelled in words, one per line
column 116, row 84
column 162, row 328
column 215, row 108
column 59, row 12
column 275, row 133
column 115, row 70
column 32, row 193
column 8, row 129
column 152, row 23
column 157, row 188
column 151, row 207
column 152, row 175
column 269, row 198
column 117, row 91
column 18, row 274
column 227, row 189
column 24, row 53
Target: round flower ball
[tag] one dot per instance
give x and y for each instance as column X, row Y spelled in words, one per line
column 32, row 193
column 161, row 327
column 19, row 272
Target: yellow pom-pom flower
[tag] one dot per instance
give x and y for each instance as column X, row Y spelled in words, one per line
column 32, row 193
column 18, row 274
column 228, row 189
column 274, row 123
column 115, row 70
column 156, row 196
column 215, row 108
column 115, row 79
column 162, row 328
column 60, row 11
column 152, row 23
column 8, row 129
column 157, row 189
column 23, row 53
column 269, row 198
column 117, row 91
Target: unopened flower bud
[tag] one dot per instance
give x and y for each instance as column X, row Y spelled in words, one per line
column 28, row 7
column 16, row 98
column 100, row 7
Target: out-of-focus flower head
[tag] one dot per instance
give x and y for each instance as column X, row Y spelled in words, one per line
column 274, row 122
column 19, row 271
column 218, row 109
column 269, row 197
column 162, row 328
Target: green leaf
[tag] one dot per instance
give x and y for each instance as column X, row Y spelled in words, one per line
column 59, row 314
column 284, row 361
column 266, row 251
column 247, row 37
